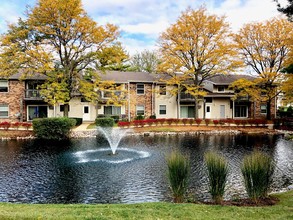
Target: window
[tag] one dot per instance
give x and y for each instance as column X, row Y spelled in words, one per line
column 112, row 110
column 40, row 111
column 140, row 89
column 240, row 111
column 62, row 108
column 140, row 110
column 163, row 109
column 221, row 88
column 3, row 111
column 86, row 109
column 263, row 109
column 187, row 112
column 3, row 86
column 162, row 90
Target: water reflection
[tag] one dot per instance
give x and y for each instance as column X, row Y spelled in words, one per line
column 38, row 172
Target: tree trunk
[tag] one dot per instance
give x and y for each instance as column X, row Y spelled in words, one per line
column 269, row 109
column 66, row 110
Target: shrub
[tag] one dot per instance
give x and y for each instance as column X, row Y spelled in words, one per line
column 153, row 117
column 217, row 172
column 169, row 121
column 78, row 121
column 53, row 128
column 198, row 121
column 16, row 125
column 123, row 124
column 185, row 121
column 216, row 122
column 105, row 122
column 237, row 122
column 257, row 170
column 26, row 125
column 207, row 121
column 178, row 174
column 139, row 117
column 5, row 125
column 191, row 121
column 161, row 121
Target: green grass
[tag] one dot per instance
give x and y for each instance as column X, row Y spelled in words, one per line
column 283, row 210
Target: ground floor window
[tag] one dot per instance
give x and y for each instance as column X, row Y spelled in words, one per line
column 240, row 111
column 263, row 109
column 187, row 112
column 40, row 111
column 112, row 110
column 140, row 110
column 4, row 110
column 163, row 109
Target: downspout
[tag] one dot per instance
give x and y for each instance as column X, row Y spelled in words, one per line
column 128, row 94
column 153, row 102
column 178, row 102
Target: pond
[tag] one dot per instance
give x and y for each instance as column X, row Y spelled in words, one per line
column 82, row 171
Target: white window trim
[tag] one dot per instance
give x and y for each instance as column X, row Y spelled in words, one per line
column 160, row 110
column 140, row 110
column 5, row 111
column 7, row 85
column 140, row 89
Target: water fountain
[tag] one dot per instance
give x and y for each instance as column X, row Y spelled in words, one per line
column 113, row 137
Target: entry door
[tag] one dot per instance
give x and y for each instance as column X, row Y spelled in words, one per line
column 222, row 111
column 86, row 113
column 208, row 111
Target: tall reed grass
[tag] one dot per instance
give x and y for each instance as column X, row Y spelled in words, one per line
column 178, row 174
column 217, row 172
column 257, row 170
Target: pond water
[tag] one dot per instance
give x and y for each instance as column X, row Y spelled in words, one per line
column 83, row 171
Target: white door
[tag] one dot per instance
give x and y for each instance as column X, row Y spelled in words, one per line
column 208, row 111
column 86, row 113
column 222, row 111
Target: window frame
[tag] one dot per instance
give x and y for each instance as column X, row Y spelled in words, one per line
column 137, row 109
column 140, row 91
column 163, row 111
column 162, row 89
column 4, row 105
column 5, row 87
column 264, row 110
column 240, row 111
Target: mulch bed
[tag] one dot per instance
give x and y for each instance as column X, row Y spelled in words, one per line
column 16, row 133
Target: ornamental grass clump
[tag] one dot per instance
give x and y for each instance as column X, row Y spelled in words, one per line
column 217, row 167
column 178, row 174
column 257, row 170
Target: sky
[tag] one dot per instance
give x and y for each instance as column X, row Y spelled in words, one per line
column 142, row 21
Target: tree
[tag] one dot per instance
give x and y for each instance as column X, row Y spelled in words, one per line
column 264, row 47
column 58, row 38
column 146, row 61
column 287, row 10
column 197, row 46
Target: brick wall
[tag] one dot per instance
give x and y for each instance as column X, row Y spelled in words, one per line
column 14, row 99
column 145, row 99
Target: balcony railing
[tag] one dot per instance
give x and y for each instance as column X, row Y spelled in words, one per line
column 186, row 96
column 32, row 94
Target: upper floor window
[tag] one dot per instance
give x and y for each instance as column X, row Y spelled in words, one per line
column 221, row 88
column 3, row 85
column 3, row 111
column 162, row 90
column 140, row 89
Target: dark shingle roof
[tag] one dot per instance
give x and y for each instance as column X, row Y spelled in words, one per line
column 228, row 79
column 123, row 77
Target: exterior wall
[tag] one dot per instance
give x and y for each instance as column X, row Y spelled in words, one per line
column 147, row 100
column 257, row 110
column 14, row 99
column 169, row 100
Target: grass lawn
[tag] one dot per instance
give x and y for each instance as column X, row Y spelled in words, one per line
column 283, row 210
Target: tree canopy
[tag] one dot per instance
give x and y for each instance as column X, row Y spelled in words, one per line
column 264, row 47
column 58, row 38
column 197, row 47
column 145, row 61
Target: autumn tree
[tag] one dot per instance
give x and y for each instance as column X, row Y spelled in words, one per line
column 60, row 40
column 264, row 48
column 197, row 46
column 145, row 61
column 287, row 10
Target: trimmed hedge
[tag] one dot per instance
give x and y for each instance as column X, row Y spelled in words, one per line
column 105, row 122
column 53, row 128
column 78, row 121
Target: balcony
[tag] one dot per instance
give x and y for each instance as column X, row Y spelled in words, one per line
column 32, row 94
column 184, row 97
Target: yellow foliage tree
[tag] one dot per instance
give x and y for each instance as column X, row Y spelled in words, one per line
column 57, row 37
column 264, row 47
column 194, row 49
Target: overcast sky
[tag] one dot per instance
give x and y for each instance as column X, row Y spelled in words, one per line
column 141, row 21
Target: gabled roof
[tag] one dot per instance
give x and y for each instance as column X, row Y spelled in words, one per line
column 124, row 77
column 228, row 79
column 35, row 76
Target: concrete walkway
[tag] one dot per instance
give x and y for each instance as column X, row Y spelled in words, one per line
column 83, row 127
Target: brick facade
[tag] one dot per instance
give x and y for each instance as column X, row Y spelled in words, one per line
column 146, row 99
column 14, row 99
